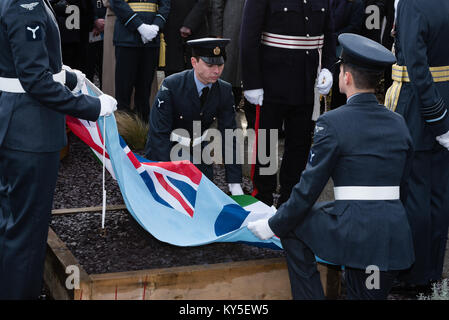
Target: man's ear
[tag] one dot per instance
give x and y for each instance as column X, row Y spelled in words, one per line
column 193, row 61
column 347, row 78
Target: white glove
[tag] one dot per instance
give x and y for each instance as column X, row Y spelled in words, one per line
column 235, row 189
column 148, row 32
column 325, row 81
column 254, row 96
column 108, row 105
column 144, row 40
column 80, row 78
column 444, row 140
column 261, row 229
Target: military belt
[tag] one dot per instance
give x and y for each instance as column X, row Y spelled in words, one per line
column 292, row 42
column 188, row 142
column 400, row 75
column 366, row 193
column 13, row 85
column 439, row 74
column 143, row 6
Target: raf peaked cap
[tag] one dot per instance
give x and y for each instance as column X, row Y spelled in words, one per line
column 210, row 50
column 364, row 53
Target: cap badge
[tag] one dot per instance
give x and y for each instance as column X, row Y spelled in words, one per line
column 217, row 51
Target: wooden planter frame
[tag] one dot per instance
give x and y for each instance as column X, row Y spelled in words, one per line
column 245, row 280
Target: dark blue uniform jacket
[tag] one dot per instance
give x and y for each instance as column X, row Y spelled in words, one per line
column 128, row 20
column 35, row 121
column 359, row 144
column 421, row 42
column 177, row 105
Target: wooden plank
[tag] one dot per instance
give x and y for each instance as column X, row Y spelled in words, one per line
column 88, row 209
column 253, row 280
column 58, row 258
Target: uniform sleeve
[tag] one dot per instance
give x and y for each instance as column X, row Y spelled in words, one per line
column 252, row 23
column 226, row 120
column 413, row 28
column 322, row 158
column 162, row 13
column 329, row 48
column 158, row 145
column 196, row 16
column 125, row 14
column 404, row 189
column 26, row 32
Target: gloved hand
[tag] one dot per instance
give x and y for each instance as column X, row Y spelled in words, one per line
column 235, row 189
column 80, row 78
column 254, row 96
column 325, row 81
column 108, row 105
column 261, row 229
column 148, row 32
column 444, row 140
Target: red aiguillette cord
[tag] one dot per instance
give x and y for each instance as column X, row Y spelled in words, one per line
column 254, row 155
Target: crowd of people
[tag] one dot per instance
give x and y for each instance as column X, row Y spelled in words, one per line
column 277, row 59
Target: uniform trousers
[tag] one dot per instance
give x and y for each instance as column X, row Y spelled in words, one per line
column 305, row 278
column 427, row 207
column 298, row 128
column 27, row 184
column 135, row 68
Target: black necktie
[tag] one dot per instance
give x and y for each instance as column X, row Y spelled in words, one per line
column 204, row 94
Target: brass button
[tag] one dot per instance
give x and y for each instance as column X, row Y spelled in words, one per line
column 180, row 117
column 322, row 9
column 285, row 9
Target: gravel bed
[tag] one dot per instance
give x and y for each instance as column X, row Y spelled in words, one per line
column 124, row 245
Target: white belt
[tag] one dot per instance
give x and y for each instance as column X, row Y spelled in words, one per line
column 292, row 42
column 13, row 85
column 187, row 142
column 366, row 193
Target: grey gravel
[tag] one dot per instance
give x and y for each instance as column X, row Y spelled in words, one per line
column 124, row 245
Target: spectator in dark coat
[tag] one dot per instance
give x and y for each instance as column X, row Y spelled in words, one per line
column 388, row 37
column 372, row 23
column 187, row 20
column 74, row 27
column 95, row 48
column 348, row 18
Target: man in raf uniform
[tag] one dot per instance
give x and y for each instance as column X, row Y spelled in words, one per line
column 136, row 40
column 195, row 95
column 36, row 91
column 420, row 92
column 282, row 45
column 367, row 150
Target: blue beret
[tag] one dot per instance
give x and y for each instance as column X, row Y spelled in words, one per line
column 211, row 50
column 365, row 53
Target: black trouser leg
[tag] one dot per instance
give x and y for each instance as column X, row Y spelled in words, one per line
column 271, row 117
column 302, row 269
column 363, row 285
column 298, row 139
column 148, row 58
column 27, row 183
column 125, row 75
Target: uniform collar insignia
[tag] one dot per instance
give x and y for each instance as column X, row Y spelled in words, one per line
column 29, row 6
